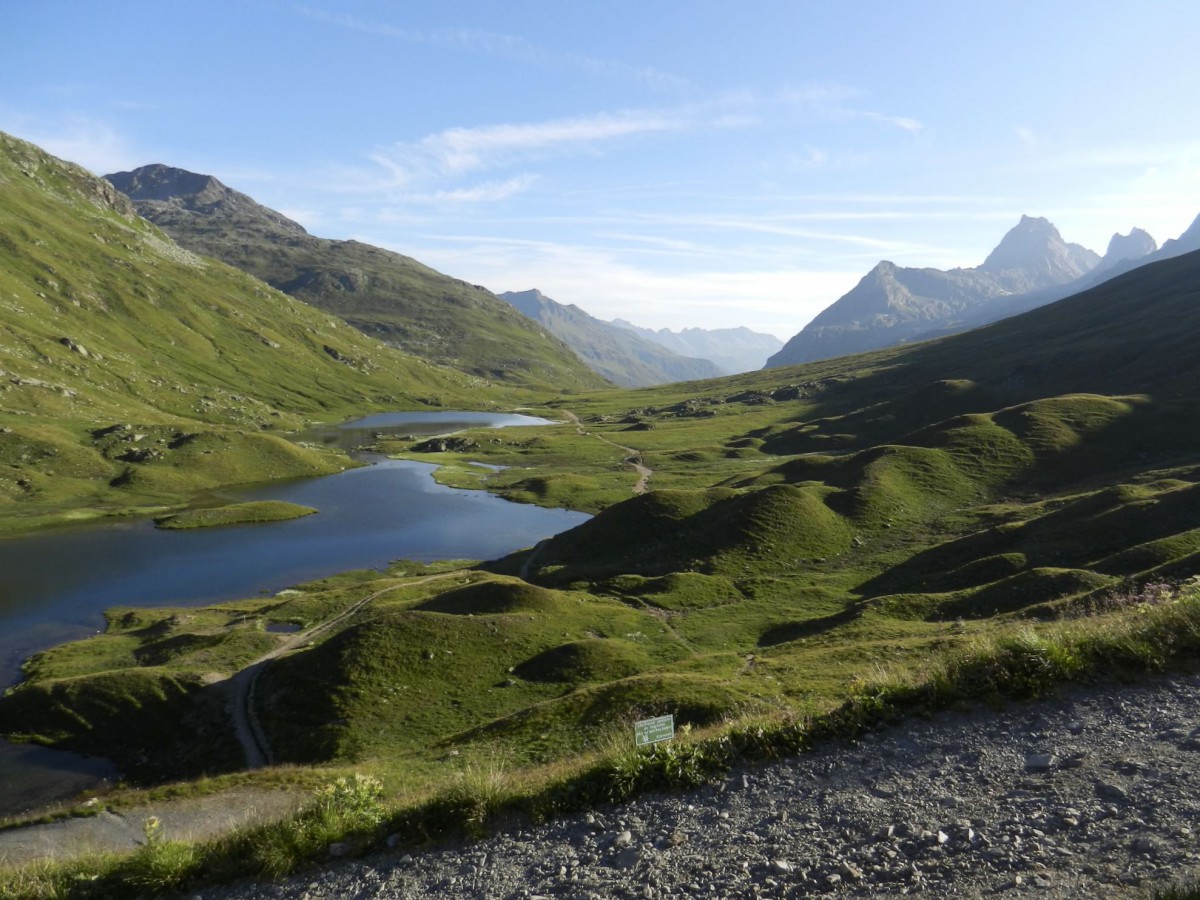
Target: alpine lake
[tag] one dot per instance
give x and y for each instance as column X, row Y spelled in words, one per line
column 55, row 585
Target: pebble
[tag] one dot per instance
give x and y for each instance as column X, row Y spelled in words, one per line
column 862, row 818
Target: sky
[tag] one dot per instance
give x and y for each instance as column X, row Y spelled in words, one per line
column 676, row 163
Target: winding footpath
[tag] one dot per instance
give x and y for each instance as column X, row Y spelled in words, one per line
column 241, row 704
column 1090, row 794
column 633, row 456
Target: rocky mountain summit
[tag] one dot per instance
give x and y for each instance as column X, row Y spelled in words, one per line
column 1135, row 245
column 169, row 196
column 1031, row 266
column 733, row 350
column 618, row 354
column 1033, row 255
column 382, row 293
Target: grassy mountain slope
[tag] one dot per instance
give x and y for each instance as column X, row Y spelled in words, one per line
column 384, row 294
column 618, row 354
column 135, row 371
column 809, row 527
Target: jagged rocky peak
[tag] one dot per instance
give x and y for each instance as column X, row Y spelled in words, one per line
column 1185, row 243
column 159, row 187
column 159, row 182
column 1034, row 244
column 1135, row 245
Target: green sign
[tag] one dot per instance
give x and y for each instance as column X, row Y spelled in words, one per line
column 651, row 731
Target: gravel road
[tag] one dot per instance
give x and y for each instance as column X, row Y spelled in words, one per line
column 1090, row 794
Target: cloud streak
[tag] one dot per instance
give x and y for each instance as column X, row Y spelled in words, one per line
column 779, row 300
column 504, row 46
column 457, row 151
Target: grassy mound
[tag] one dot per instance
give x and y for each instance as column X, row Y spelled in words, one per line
column 650, row 535
column 1023, row 590
column 780, row 527
column 718, row 531
column 492, row 598
column 410, row 677
column 235, row 514
column 594, row 659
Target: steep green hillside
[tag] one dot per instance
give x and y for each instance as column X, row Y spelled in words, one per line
column 133, row 372
column 384, row 294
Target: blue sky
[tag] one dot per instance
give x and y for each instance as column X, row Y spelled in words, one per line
column 673, row 163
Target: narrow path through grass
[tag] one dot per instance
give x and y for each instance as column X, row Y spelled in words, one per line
column 634, row 457
column 249, row 730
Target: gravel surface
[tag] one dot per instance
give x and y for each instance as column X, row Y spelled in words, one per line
column 1090, row 794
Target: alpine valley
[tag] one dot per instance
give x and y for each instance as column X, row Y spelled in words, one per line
column 775, row 557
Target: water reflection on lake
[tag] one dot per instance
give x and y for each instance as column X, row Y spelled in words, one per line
column 55, row 585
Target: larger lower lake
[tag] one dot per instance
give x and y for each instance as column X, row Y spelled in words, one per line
column 55, row 586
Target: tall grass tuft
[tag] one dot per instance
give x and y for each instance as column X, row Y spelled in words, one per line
column 348, row 808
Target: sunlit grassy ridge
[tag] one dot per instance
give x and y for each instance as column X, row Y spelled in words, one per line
column 104, row 321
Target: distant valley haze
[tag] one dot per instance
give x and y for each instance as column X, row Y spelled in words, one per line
column 677, row 165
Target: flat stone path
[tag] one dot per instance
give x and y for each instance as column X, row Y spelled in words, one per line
column 195, row 818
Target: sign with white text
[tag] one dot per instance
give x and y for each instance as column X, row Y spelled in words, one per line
column 651, row 731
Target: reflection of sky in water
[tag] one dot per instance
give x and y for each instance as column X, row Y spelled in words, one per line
column 55, row 585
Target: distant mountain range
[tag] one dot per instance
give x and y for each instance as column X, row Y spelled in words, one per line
column 1032, row 266
column 384, row 294
column 619, row 354
column 734, row 350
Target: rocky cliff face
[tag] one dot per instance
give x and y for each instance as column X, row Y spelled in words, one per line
column 892, row 304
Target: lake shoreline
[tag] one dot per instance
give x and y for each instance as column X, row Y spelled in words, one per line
column 478, row 525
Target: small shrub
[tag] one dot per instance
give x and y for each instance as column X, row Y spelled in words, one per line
column 480, row 790
column 160, row 865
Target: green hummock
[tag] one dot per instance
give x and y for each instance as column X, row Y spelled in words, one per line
column 235, row 514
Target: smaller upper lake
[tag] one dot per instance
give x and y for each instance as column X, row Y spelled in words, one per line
column 363, row 432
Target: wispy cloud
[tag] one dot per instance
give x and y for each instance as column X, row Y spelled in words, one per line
column 784, row 226
column 779, row 300
column 460, row 150
column 841, row 101
column 488, row 192
column 504, row 46
column 92, row 143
